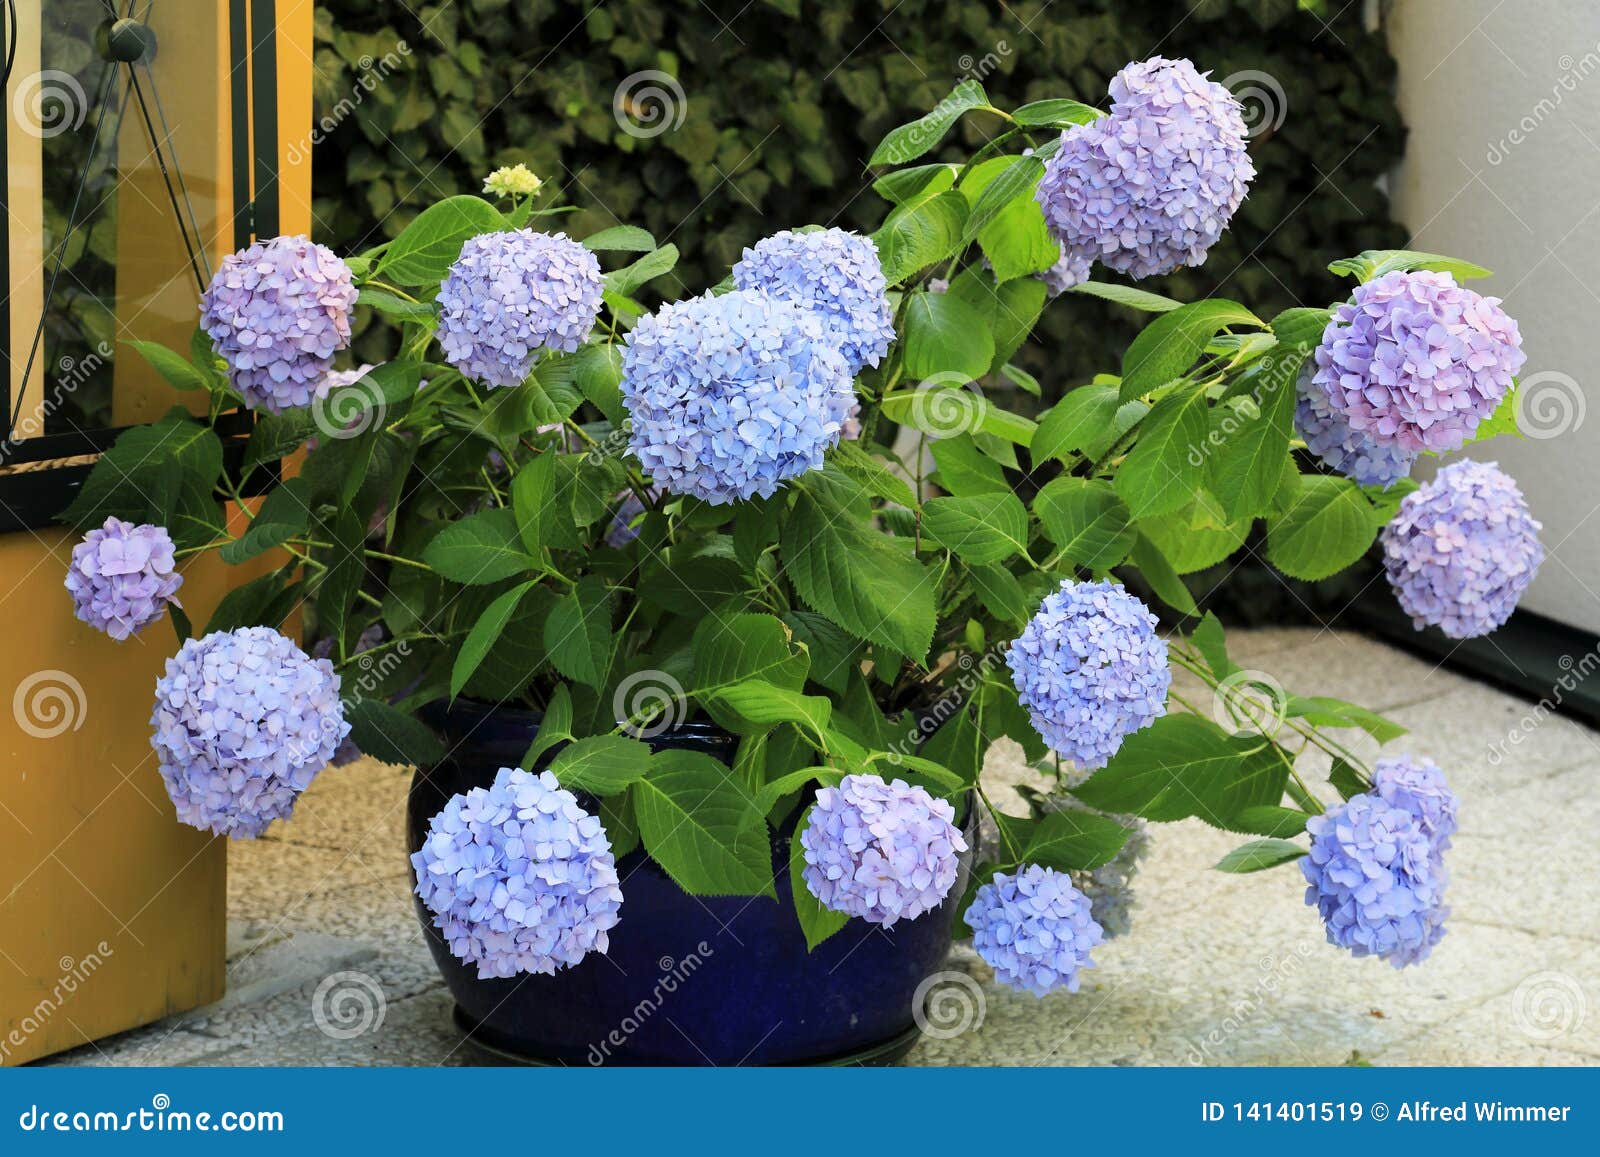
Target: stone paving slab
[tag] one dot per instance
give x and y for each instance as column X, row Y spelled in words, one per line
column 328, row 963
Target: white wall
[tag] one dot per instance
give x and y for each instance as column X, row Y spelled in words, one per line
column 1502, row 99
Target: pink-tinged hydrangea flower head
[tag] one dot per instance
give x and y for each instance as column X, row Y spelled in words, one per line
column 1034, row 929
column 1418, row 786
column 1377, row 880
column 1462, row 549
column 1330, row 438
column 1151, row 186
column 833, row 273
column 244, row 721
column 122, row 577
column 519, row 878
column 880, row 851
column 277, row 312
column 509, row 295
column 731, row 396
column 1091, row 670
column 1415, row 361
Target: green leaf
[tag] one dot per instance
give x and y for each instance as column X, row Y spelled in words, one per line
column 1209, row 639
column 982, row 528
column 1181, row 766
column 1071, row 840
column 901, row 186
column 945, row 340
column 764, row 706
column 173, row 366
column 1001, row 592
column 1056, row 113
column 577, row 634
column 1325, row 711
column 1075, row 422
column 1301, row 325
column 388, row 734
column 1248, row 450
column 910, row 141
column 425, row 249
column 601, row 765
column 485, row 634
column 1270, row 820
column 963, row 469
column 276, row 435
column 834, row 653
column 597, row 372
column 531, row 492
column 1165, row 468
column 729, row 648
column 818, row 923
column 396, row 308
column 164, row 473
column 284, row 513
column 1086, row 520
column 1374, row 263
column 1260, row 854
column 347, row 567
column 249, row 605
column 951, row 411
column 916, row 236
column 1346, row 780
column 1328, row 528
column 700, row 826
column 871, row 472
column 1016, row 179
column 1126, row 295
column 1009, row 314
column 554, row 727
column 622, row 238
column 1169, row 345
column 482, row 548
column 1197, row 536
column 1161, row 576
column 649, row 267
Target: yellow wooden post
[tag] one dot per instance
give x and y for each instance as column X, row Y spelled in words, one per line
column 112, row 914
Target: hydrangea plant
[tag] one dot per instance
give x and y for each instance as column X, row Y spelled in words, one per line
column 800, row 507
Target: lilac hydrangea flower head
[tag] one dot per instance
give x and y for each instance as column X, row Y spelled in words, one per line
column 880, row 851
column 834, row 273
column 1151, row 186
column 1034, row 929
column 1330, row 438
column 731, row 396
column 1418, row 786
column 519, row 878
column 1461, row 550
column 1415, row 361
column 1070, row 269
column 1091, row 670
column 277, row 312
column 509, row 295
column 1375, row 877
column 122, row 579
column 244, row 721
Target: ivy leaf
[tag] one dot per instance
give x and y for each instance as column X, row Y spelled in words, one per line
column 1165, row 467
column 1327, row 529
column 601, row 765
column 577, row 633
column 482, row 548
column 854, row 576
column 1258, row 855
column 910, row 141
column 1086, row 519
column 1169, row 345
column 425, row 249
column 818, row 923
column 982, row 528
column 389, row 734
column 699, row 825
column 485, row 634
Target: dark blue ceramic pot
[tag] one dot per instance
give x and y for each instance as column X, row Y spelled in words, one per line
column 688, row 980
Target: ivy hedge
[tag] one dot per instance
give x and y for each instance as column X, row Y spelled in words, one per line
column 782, row 101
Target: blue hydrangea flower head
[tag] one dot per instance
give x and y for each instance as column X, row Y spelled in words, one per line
column 1151, row 186
column 1418, row 786
column 880, row 851
column 277, row 312
column 1330, row 438
column 833, row 273
column 1091, row 670
column 1069, row 270
column 519, row 878
column 122, row 577
column 1376, row 878
column 731, row 396
column 1461, row 550
column 244, row 721
column 1415, row 361
column 1034, row 929
column 509, row 295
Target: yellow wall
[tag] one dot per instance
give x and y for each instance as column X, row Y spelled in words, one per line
column 112, row 914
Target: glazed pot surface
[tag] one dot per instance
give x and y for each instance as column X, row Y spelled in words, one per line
column 688, row 980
